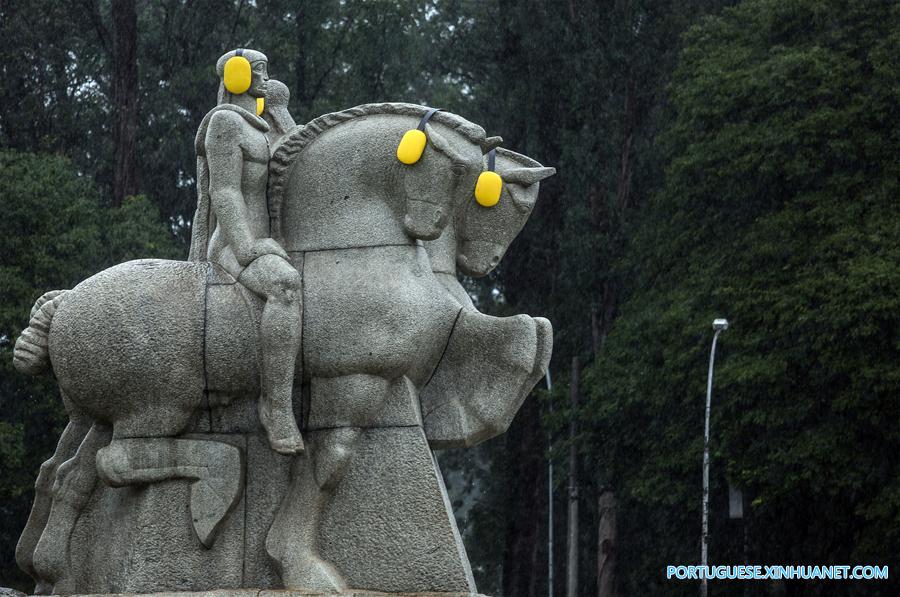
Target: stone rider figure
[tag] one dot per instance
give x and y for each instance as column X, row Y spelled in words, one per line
column 231, row 228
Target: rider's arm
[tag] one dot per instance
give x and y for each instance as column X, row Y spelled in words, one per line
column 225, row 159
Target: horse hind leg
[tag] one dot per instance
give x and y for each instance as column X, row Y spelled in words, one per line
column 291, row 541
column 69, row 441
column 74, row 484
column 145, row 450
column 341, row 408
column 214, row 469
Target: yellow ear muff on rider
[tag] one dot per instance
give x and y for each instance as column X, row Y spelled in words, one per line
column 412, row 145
column 489, row 185
column 237, row 74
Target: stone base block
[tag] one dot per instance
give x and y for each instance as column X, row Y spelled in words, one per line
column 276, row 593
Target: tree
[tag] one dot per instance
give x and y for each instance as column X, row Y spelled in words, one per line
column 582, row 87
column 779, row 210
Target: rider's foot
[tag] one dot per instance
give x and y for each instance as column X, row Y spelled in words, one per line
column 281, row 429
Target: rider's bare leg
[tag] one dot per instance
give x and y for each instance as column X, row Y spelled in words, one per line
column 278, row 282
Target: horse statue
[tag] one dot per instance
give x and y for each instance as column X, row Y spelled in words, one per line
column 158, row 366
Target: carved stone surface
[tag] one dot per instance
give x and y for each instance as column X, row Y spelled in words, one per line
column 461, row 411
column 263, row 416
column 269, row 593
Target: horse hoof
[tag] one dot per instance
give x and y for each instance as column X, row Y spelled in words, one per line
column 315, row 574
column 113, row 464
column 65, row 586
column 288, row 446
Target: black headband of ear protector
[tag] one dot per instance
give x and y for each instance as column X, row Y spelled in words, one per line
column 489, row 184
column 411, row 146
column 239, row 52
column 431, row 112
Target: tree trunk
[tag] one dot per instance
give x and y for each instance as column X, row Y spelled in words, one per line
column 606, row 545
column 125, row 96
column 300, row 90
column 626, row 165
column 572, row 545
column 526, row 506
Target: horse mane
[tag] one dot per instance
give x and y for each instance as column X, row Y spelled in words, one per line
column 301, row 136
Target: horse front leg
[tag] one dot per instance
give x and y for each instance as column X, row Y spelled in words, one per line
column 470, row 398
column 74, row 484
column 69, row 441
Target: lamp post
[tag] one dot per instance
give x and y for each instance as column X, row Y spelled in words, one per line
column 719, row 325
column 550, row 493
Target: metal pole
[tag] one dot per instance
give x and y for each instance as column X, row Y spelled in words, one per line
column 718, row 325
column 572, row 552
column 550, row 495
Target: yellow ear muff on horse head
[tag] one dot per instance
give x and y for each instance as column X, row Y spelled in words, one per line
column 489, row 185
column 237, row 74
column 412, row 145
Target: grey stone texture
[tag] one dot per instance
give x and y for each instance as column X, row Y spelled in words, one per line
column 266, row 593
column 263, row 415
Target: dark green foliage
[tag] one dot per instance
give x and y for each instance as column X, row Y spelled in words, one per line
column 53, row 234
column 757, row 180
column 57, row 63
column 780, row 211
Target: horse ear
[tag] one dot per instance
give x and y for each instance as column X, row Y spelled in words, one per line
column 527, row 176
column 491, row 143
column 442, row 145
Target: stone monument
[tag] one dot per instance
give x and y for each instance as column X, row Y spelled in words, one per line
column 262, row 416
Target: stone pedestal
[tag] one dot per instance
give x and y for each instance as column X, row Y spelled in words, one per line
column 275, row 593
column 387, row 526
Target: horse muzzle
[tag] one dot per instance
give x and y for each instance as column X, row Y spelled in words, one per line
column 425, row 220
column 478, row 258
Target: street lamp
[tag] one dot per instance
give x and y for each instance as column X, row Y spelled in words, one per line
column 550, row 492
column 719, row 325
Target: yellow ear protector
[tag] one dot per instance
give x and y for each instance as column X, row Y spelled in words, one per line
column 412, row 145
column 237, row 74
column 489, row 185
column 260, row 105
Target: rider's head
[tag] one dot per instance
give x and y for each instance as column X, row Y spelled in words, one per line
column 242, row 71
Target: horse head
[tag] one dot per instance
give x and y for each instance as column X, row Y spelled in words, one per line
column 485, row 233
column 443, row 178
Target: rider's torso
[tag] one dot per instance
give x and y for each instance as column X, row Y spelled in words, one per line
column 254, row 177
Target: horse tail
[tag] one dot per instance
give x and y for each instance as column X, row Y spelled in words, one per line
column 31, row 355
